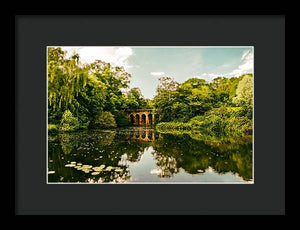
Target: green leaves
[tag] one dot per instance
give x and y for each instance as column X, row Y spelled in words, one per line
column 244, row 91
column 66, row 78
column 84, row 90
column 106, row 120
column 68, row 122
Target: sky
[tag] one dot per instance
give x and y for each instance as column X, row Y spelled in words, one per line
column 147, row 64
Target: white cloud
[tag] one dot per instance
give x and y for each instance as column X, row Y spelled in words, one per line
column 246, row 65
column 117, row 56
column 157, row 73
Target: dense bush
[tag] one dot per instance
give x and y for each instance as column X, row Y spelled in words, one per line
column 106, row 120
column 214, row 124
column 240, row 126
column 69, row 122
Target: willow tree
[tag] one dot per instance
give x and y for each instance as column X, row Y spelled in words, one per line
column 66, row 78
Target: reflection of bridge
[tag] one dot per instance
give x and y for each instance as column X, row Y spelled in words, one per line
column 141, row 116
column 142, row 134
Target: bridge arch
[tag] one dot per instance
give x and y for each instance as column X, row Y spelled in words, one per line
column 137, row 119
column 131, row 118
column 145, row 117
column 150, row 119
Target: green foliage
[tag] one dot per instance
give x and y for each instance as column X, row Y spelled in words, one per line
column 221, row 107
column 239, row 126
column 135, row 100
column 122, row 120
column 91, row 100
column 225, row 88
column 106, row 120
column 54, row 116
column 66, row 78
column 69, row 122
column 88, row 90
column 193, row 97
column 244, row 91
column 52, row 128
column 173, row 125
column 218, row 122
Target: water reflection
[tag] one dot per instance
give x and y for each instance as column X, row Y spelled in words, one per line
column 141, row 154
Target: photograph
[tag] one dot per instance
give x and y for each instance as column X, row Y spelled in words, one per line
column 150, row 114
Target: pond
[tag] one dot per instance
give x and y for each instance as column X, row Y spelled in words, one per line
column 143, row 155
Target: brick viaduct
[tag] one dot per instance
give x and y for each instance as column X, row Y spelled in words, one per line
column 141, row 116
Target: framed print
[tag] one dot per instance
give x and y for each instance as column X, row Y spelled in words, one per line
column 169, row 111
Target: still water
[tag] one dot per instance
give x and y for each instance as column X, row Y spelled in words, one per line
column 141, row 154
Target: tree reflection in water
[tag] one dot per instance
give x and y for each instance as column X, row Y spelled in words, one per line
column 174, row 152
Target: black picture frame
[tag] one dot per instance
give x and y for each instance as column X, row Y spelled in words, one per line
column 32, row 33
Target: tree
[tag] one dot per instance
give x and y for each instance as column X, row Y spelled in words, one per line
column 166, row 84
column 244, row 92
column 106, row 120
column 200, row 100
column 66, row 78
column 92, row 99
column 224, row 89
column 115, row 79
column 135, row 99
column 85, row 90
column 166, row 96
column 192, row 83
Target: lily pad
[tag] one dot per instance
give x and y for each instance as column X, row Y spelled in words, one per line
column 79, row 164
column 73, row 163
column 87, row 166
column 95, row 173
column 109, row 168
column 102, row 166
column 97, row 169
column 69, row 165
column 51, row 172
